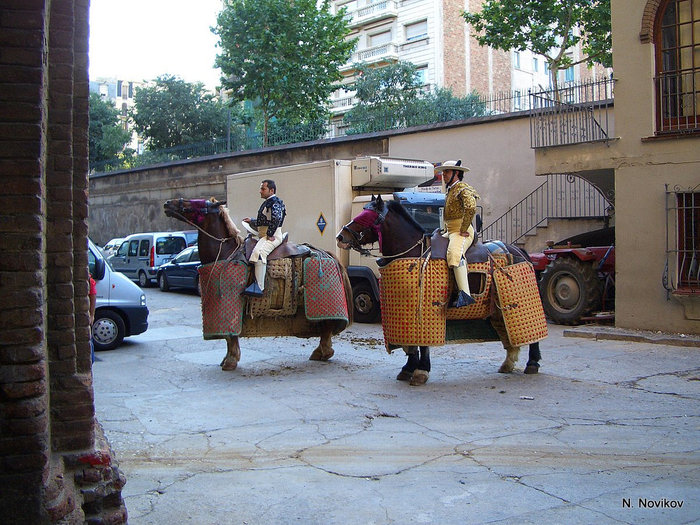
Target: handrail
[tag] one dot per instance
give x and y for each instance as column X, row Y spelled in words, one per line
column 561, row 196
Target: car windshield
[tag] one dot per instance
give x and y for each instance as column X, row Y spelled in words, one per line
column 183, row 256
column 170, row 245
column 426, row 216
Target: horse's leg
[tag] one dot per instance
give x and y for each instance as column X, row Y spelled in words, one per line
column 324, row 351
column 512, row 352
column 533, row 362
column 420, row 374
column 411, row 363
column 233, row 353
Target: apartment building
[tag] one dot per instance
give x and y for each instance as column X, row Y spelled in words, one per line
column 434, row 36
column 121, row 92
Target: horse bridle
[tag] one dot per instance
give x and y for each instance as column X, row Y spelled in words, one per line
column 206, row 207
column 356, row 237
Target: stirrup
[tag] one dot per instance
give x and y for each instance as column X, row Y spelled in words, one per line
column 253, row 290
column 463, row 299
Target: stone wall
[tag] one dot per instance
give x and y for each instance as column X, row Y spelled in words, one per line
column 47, row 424
column 131, row 201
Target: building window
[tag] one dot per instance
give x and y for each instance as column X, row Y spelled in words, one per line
column 380, row 39
column 131, row 90
column 677, row 46
column 569, row 74
column 422, row 75
column 416, row 31
column 683, row 245
column 119, row 88
column 516, row 59
column 535, row 65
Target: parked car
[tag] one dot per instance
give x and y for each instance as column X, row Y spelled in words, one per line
column 181, row 272
column 120, row 308
column 141, row 254
column 112, row 246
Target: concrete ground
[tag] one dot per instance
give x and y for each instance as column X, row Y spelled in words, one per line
column 607, row 432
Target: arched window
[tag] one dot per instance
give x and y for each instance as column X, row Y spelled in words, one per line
column 677, row 41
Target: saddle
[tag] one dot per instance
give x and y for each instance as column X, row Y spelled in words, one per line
column 476, row 253
column 286, row 249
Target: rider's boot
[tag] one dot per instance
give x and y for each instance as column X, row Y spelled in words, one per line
column 258, row 286
column 464, row 297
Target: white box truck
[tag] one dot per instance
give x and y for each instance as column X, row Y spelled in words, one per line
column 321, row 197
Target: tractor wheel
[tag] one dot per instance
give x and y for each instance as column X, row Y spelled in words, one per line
column 570, row 289
column 365, row 305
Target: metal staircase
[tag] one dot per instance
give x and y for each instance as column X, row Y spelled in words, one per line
column 561, row 196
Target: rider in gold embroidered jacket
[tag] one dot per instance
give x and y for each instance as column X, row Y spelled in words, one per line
column 460, row 202
column 460, row 208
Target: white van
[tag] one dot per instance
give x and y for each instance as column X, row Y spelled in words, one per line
column 141, row 254
column 120, row 309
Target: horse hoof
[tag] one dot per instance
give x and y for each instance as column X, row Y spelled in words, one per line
column 419, row 377
column 532, row 369
column 227, row 365
column 403, row 376
column 505, row 369
column 318, row 355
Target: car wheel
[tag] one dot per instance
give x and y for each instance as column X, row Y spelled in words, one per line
column 570, row 289
column 144, row 281
column 163, row 282
column 365, row 304
column 108, row 330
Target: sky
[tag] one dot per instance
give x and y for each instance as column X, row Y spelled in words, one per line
column 142, row 39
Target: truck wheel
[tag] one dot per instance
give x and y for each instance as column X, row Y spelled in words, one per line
column 365, row 304
column 108, row 330
column 163, row 282
column 570, row 289
column 144, row 281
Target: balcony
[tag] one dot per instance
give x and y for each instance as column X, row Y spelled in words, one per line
column 575, row 114
column 373, row 13
column 378, row 55
column 342, row 105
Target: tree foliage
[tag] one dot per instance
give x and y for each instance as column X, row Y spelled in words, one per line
column 173, row 112
column 548, row 28
column 284, row 56
column 107, row 137
column 392, row 96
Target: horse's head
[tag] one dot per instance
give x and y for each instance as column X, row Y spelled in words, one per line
column 192, row 211
column 365, row 228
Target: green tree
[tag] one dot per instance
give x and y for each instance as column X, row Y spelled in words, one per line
column 392, row 96
column 385, row 97
column 548, row 28
column 106, row 135
column 173, row 112
column 283, row 56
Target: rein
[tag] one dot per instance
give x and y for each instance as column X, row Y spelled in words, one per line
column 222, row 240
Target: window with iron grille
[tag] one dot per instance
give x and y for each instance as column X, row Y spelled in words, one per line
column 683, row 239
column 677, row 41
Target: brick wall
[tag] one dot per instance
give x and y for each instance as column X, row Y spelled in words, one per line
column 47, row 424
column 489, row 69
column 455, row 58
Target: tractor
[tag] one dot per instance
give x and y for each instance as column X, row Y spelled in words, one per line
column 577, row 277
